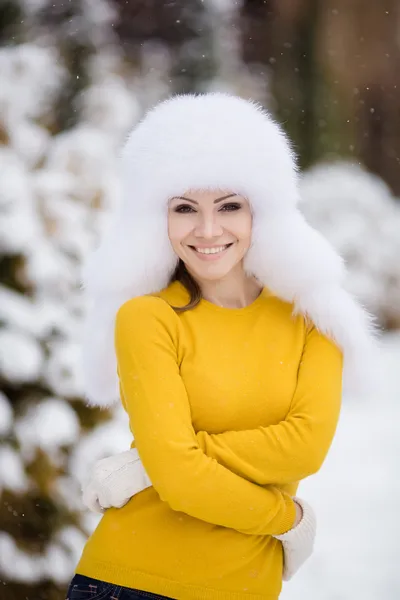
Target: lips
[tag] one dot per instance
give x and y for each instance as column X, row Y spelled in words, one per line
column 211, row 252
column 211, row 249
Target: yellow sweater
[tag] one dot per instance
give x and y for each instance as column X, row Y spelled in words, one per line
column 229, row 409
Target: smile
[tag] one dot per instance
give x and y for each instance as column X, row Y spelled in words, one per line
column 211, row 252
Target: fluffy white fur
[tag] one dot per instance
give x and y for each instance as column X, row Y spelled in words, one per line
column 204, row 142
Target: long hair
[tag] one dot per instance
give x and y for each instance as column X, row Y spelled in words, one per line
column 182, row 274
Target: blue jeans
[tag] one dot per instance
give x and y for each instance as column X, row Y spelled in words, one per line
column 86, row 588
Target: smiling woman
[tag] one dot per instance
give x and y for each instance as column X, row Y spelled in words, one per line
column 220, row 316
column 210, row 232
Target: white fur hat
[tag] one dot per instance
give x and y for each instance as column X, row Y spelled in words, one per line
column 216, row 141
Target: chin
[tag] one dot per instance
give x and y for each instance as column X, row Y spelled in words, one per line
column 211, row 273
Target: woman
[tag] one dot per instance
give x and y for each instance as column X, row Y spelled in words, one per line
column 230, row 328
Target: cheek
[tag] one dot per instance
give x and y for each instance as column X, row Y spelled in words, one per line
column 178, row 228
column 243, row 228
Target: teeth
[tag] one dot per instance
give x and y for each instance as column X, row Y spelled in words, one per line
column 211, row 250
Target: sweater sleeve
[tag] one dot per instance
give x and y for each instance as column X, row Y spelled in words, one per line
column 296, row 447
column 148, row 354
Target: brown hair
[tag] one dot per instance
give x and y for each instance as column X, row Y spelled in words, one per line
column 182, row 274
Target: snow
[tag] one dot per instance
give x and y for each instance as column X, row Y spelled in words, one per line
column 107, row 439
column 62, row 371
column 57, row 563
column 21, row 357
column 17, row 311
column 31, row 76
column 79, row 153
column 46, row 265
column 63, row 555
column 19, row 225
column 56, row 192
column 36, row 317
column 232, row 75
column 6, row 415
column 12, row 472
column 14, row 562
column 49, row 425
column 67, row 492
column 357, row 213
column 107, row 107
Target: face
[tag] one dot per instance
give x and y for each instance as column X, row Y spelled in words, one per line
column 210, row 231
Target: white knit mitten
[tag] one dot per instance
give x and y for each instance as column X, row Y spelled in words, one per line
column 114, row 480
column 298, row 543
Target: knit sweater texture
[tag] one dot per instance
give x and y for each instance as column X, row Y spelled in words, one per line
column 229, row 410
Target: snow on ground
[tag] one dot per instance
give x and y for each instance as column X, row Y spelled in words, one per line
column 356, row 500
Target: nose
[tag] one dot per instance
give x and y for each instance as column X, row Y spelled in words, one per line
column 208, row 226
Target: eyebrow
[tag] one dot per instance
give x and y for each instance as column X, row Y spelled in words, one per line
column 194, row 201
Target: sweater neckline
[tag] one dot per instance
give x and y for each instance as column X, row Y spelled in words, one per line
column 222, row 310
column 210, row 306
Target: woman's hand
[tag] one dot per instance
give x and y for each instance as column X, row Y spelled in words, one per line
column 299, row 512
column 114, row 480
column 298, row 542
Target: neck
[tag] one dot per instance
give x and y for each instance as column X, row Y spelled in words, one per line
column 236, row 290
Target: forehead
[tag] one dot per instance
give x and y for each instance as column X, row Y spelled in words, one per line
column 209, row 195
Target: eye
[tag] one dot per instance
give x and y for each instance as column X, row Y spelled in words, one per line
column 183, row 209
column 231, row 207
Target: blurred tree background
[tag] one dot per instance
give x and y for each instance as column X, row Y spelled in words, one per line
column 75, row 76
column 335, row 77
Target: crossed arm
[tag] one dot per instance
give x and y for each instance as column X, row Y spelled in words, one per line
column 296, row 447
column 196, row 474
